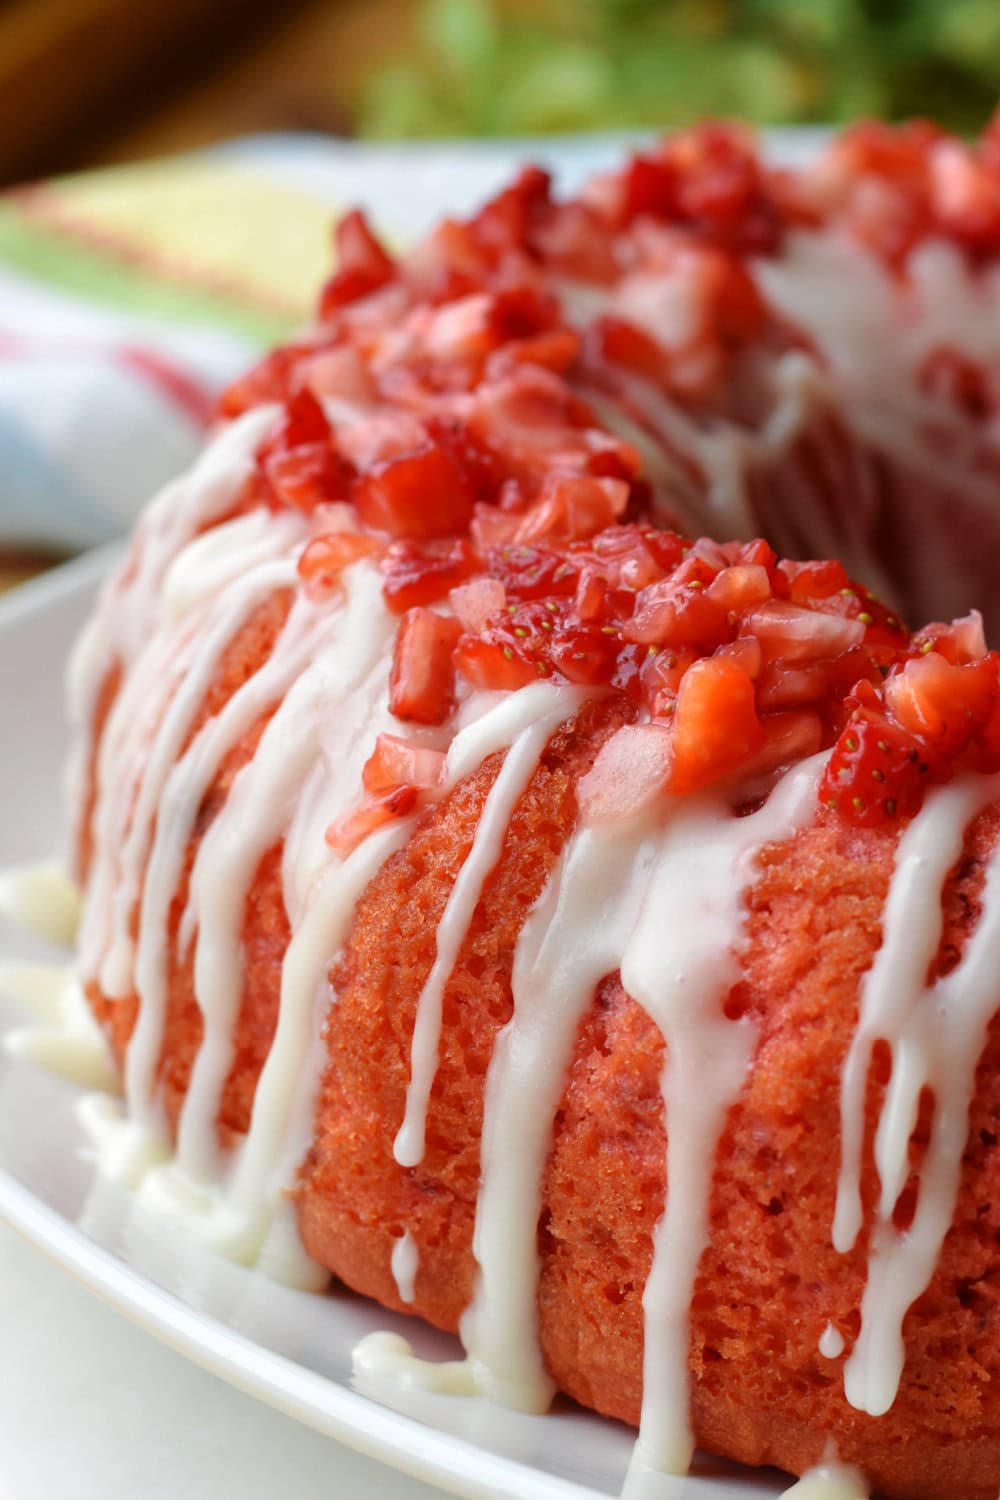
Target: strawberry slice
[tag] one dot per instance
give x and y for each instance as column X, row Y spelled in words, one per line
column 422, row 681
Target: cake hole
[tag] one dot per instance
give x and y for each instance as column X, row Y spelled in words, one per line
column 969, row 1295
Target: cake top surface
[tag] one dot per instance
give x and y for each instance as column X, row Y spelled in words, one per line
column 462, row 416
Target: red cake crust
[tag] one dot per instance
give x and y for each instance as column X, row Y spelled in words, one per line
column 770, row 1280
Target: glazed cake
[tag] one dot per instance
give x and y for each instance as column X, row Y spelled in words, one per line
column 469, row 852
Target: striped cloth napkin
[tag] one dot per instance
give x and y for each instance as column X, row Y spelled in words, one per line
column 130, row 296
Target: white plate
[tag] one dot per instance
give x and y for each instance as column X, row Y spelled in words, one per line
column 290, row 1349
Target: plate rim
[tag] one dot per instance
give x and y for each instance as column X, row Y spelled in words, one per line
column 425, row 1453
column 433, row 1456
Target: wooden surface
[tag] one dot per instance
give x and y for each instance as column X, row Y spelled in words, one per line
column 90, row 82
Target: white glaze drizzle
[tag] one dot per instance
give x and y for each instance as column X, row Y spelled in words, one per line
column 512, row 780
column 573, row 938
column 852, row 305
column 681, row 971
column 183, row 794
column 830, row 1481
column 831, row 1342
column 936, row 1034
column 315, row 724
column 128, row 604
column 383, row 1356
column 405, row 1262
column 41, row 898
column 62, row 1035
column 219, row 623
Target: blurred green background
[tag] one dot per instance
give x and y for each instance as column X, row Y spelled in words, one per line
column 477, row 67
column 87, row 84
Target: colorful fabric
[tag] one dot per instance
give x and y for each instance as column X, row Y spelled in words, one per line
column 128, row 297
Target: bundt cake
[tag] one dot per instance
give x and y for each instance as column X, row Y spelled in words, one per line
column 581, row 935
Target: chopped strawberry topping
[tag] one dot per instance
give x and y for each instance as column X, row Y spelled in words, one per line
column 299, row 461
column 716, row 727
column 422, row 682
column 362, row 265
column 326, row 557
column 397, row 762
column 424, row 574
column 456, row 401
column 421, row 494
column 353, row 828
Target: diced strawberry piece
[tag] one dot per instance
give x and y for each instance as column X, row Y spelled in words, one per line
column 965, row 195
column 299, row 461
column 346, row 833
column 422, row 681
column 326, row 557
column 629, row 775
column 715, row 724
column 573, row 507
column 585, row 655
column 416, row 574
column 528, row 416
column 533, row 572
column 941, row 704
column 475, row 602
column 746, row 653
column 616, row 341
column 556, row 351
column 480, row 465
column 877, row 771
column 953, row 378
column 791, row 633
column 492, row 529
column 309, row 475
column 503, row 224
column 678, row 611
column 661, row 674
column 961, row 642
column 422, row 494
column 740, row 587
column 572, row 240
column 788, row 738
column 272, row 379
column 397, row 762
column 814, row 580
column 488, row 663
column 650, row 188
column 341, row 373
column 591, row 592
column 521, row 312
column 362, row 265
